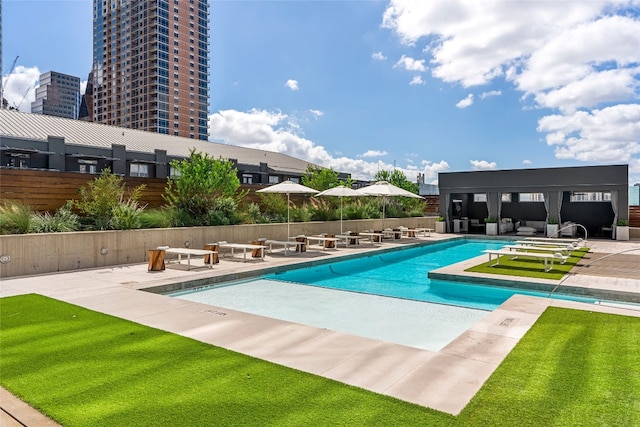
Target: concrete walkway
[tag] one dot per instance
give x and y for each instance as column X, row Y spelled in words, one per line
column 445, row 380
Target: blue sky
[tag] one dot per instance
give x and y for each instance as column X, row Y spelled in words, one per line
column 426, row 87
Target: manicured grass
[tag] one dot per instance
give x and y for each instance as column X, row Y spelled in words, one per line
column 530, row 267
column 573, row 368
column 85, row 368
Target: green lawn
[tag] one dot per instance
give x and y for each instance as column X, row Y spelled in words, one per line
column 530, row 267
column 85, row 368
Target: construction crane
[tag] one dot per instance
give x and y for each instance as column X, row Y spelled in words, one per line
column 2, row 86
column 23, row 98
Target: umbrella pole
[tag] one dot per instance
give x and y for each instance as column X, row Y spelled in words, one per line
column 288, row 222
column 341, row 216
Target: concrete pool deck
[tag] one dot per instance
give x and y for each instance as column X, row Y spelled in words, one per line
column 445, row 380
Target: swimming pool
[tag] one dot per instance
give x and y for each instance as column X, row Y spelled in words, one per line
column 386, row 295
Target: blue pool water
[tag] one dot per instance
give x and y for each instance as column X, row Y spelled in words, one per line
column 385, row 296
column 404, row 274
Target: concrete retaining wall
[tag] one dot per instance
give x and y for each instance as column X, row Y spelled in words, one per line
column 28, row 254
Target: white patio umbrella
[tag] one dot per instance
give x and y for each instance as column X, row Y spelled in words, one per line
column 340, row 191
column 288, row 187
column 384, row 189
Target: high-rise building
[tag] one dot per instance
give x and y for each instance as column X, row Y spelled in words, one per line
column 1, row 86
column 57, row 95
column 151, row 65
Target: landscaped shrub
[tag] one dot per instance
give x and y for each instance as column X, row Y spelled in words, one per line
column 363, row 208
column 393, row 209
column 102, row 198
column 274, row 206
column 15, row 217
column 62, row 220
column 323, row 210
column 300, row 214
column 126, row 216
column 196, row 195
column 155, row 218
column 224, row 212
column 251, row 214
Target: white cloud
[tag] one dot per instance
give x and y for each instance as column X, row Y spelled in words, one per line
column 485, row 95
column 475, row 40
column 578, row 58
column 416, row 80
column 316, row 113
column 410, row 64
column 526, row 162
column 592, row 90
column 482, row 165
column 276, row 131
column 373, row 153
column 608, row 135
column 292, row 84
column 466, row 102
column 378, row 56
column 19, row 87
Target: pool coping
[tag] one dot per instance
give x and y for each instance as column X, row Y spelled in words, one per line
column 446, row 380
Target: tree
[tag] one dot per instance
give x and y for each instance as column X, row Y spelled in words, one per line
column 403, row 205
column 397, row 178
column 322, row 178
column 202, row 182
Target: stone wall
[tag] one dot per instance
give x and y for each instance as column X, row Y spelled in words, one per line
column 28, row 254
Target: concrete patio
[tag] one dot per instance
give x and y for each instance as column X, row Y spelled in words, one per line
column 445, row 380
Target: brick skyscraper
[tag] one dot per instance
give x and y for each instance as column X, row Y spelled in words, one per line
column 151, row 65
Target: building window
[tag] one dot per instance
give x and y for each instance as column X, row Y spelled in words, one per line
column 88, row 166
column 506, row 197
column 295, row 179
column 174, row 173
column 590, row 197
column 480, row 197
column 139, row 169
column 273, row 179
column 531, row 197
column 247, row 178
column 19, row 161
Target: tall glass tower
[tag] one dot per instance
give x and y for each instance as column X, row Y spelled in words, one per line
column 151, row 65
column 57, row 95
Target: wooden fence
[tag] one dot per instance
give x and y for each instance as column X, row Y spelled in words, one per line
column 49, row 190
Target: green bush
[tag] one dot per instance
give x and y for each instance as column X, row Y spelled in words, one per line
column 274, row 205
column 126, row 216
column 224, row 212
column 62, row 220
column 394, row 210
column 300, row 214
column 363, row 208
column 103, row 200
column 251, row 214
column 155, row 218
column 202, row 184
column 15, row 217
column 323, row 210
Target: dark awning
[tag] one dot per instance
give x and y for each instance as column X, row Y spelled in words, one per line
column 150, row 162
column 20, row 150
column 92, row 157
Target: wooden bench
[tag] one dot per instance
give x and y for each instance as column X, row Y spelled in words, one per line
column 257, row 251
column 189, row 253
column 350, row 239
column 286, row 244
column 506, row 252
column 325, row 241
